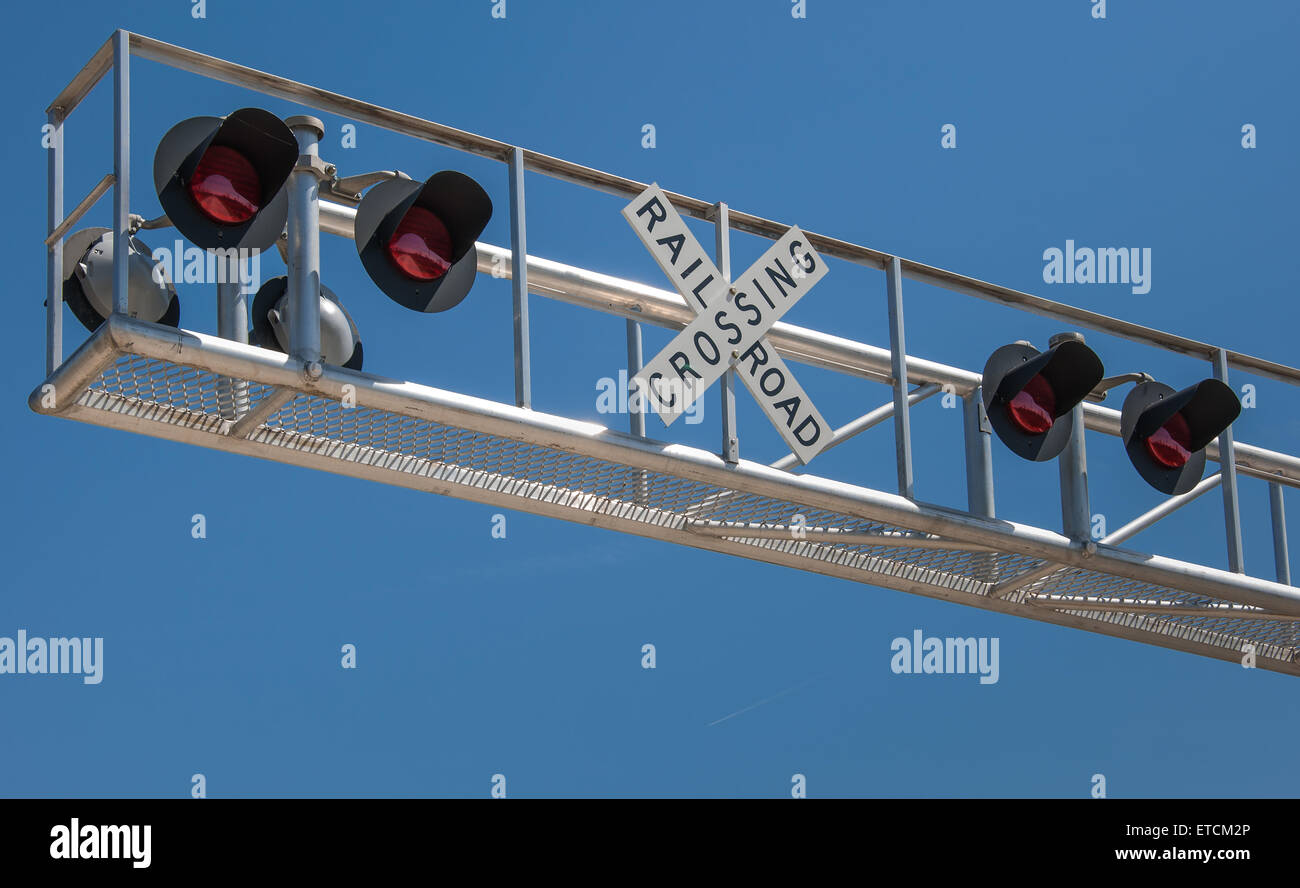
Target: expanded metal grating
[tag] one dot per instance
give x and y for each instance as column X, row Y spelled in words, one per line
column 186, row 402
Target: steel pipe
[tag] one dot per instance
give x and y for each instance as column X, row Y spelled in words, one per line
column 121, row 170
column 304, row 243
column 1072, row 468
column 830, row 537
column 54, row 255
column 1145, row 520
column 86, row 203
column 643, row 303
column 898, row 371
column 979, row 455
column 862, row 423
column 1277, row 512
column 519, row 283
column 1231, row 508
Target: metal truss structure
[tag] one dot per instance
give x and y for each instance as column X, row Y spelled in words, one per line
column 221, row 393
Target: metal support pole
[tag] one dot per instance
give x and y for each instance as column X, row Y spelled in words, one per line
column 519, row 281
column 121, row 167
column 1228, row 468
column 898, row 365
column 304, row 244
column 268, row 406
column 1281, row 557
column 232, row 323
column 232, row 311
column 722, row 242
column 979, row 474
column 868, row 420
column 54, row 256
column 979, row 455
column 636, row 419
column 1076, row 510
column 1173, row 503
column 636, row 414
column 70, row 219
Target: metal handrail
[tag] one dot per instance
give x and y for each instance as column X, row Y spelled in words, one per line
column 450, row 137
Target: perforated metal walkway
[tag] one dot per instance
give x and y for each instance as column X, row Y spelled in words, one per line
column 216, row 393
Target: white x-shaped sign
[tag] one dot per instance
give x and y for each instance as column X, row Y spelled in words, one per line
column 732, row 319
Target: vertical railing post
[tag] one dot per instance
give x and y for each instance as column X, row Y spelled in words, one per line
column 1076, row 508
column 519, row 281
column 304, row 244
column 1281, row 558
column 722, row 252
column 54, row 256
column 121, row 167
column 979, row 455
column 636, row 419
column 635, row 405
column 1228, row 467
column 898, row 364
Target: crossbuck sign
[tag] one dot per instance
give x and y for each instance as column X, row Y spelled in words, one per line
column 732, row 319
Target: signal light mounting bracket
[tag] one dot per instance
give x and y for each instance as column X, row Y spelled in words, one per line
column 1101, row 389
column 312, row 163
column 350, row 188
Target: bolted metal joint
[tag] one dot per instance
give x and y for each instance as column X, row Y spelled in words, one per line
column 312, row 370
column 311, row 163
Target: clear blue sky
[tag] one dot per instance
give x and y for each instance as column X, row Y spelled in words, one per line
column 522, row 656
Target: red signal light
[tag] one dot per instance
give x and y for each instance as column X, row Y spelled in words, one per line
column 225, row 186
column 1170, row 444
column 421, row 245
column 1033, row 409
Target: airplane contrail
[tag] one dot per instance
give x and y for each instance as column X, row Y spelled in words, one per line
column 756, row 705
